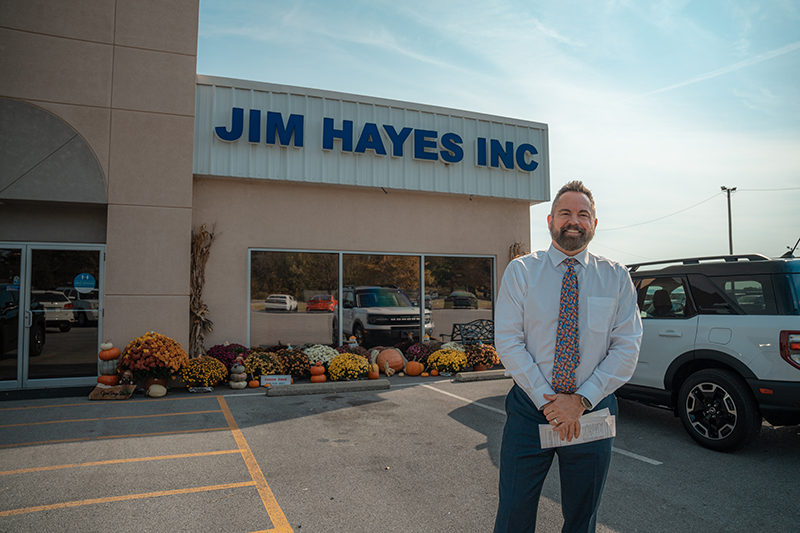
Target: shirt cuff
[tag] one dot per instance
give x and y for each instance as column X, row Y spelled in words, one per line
column 591, row 393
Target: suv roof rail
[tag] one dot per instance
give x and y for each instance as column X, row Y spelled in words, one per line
column 697, row 260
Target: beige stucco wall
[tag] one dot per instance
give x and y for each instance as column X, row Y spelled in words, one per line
column 122, row 74
column 271, row 214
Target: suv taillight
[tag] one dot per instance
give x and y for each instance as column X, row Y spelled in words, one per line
column 790, row 347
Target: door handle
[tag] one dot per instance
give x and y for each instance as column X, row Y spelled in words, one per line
column 28, row 319
column 670, row 333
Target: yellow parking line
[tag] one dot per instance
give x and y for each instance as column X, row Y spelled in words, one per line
column 116, row 461
column 112, row 437
column 276, row 516
column 107, row 404
column 124, row 498
column 109, row 418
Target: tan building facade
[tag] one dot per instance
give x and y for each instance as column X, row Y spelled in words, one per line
column 99, row 176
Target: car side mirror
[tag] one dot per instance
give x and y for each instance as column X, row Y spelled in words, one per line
column 347, row 305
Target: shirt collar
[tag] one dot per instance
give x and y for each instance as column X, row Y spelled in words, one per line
column 557, row 256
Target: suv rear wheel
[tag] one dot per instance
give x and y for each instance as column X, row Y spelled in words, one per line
column 358, row 333
column 718, row 411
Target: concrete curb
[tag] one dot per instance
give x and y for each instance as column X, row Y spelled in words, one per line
column 329, row 387
column 481, row 376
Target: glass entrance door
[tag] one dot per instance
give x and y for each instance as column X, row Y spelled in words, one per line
column 57, row 291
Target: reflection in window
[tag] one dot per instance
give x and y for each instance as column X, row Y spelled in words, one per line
column 292, row 297
column 458, row 290
column 378, row 292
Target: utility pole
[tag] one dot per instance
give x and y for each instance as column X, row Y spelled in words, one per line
column 730, row 227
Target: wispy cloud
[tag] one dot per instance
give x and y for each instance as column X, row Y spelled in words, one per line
column 731, row 68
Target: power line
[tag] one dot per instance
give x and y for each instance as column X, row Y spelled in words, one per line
column 764, row 190
column 662, row 218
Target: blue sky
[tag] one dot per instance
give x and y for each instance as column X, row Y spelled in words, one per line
column 653, row 104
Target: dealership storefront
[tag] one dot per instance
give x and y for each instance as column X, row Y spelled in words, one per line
column 310, row 193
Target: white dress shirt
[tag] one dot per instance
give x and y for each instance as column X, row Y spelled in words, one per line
column 609, row 325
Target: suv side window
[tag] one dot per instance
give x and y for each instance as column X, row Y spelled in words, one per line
column 710, row 299
column 663, row 298
column 349, row 299
column 753, row 294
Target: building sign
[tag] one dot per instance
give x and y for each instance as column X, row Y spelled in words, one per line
column 254, row 130
column 425, row 145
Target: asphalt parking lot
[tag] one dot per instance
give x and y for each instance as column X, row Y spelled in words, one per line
column 418, row 457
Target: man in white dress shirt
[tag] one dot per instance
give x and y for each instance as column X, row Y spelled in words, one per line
column 558, row 377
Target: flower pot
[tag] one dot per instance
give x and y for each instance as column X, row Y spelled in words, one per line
column 478, row 367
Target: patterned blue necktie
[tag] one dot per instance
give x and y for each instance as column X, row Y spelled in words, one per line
column 567, row 350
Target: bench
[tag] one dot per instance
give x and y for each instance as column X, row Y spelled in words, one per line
column 481, row 330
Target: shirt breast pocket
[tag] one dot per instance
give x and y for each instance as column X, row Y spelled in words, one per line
column 600, row 312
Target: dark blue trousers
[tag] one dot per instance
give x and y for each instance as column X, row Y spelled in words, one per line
column 524, row 466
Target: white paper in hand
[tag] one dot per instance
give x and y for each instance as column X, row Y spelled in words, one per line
column 594, row 426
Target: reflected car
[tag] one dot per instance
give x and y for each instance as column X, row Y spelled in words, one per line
column 86, row 306
column 280, row 302
column 321, row 302
column 428, row 302
column 461, row 299
column 9, row 322
column 57, row 309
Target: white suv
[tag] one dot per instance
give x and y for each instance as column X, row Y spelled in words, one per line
column 86, row 306
column 721, row 344
column 379, row 314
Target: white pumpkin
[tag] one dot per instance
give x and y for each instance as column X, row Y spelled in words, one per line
column 157, row 391
column 238, row 384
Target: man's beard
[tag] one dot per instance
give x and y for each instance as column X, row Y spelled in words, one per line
column 569, row 243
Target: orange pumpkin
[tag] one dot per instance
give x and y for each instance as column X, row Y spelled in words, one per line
column 414, row 368
column 109, row 380
column 318, row 378
column 434, row 372
column 317, row 370
column 424, row 374
column 373, row 374
column 253, row 383
column 391, row 356
column 109, row 354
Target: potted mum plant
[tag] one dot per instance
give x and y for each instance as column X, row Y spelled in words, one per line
column 204, row 371
column 481, row 356
column 152, row 358
column 447, row 361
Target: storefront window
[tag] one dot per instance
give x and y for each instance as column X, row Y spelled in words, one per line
column 292, row 297
column 458, row 290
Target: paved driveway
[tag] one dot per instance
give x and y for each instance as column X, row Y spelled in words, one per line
column 419, row 457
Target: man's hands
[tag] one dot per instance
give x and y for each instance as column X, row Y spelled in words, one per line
column 563, row 411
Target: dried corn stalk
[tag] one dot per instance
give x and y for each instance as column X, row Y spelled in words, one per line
column 198, row 311
column 517, row 249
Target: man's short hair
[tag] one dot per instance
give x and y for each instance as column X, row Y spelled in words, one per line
column 574, row 186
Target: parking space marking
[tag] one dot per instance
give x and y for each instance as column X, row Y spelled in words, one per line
column 128, row 497
column 276, row 516
column 467, row 400
column 112, row 437
column 116, row 461
column 107, row 418
column 502, row 412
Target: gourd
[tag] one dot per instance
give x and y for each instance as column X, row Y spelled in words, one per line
column 434, row 372
column 318, row 373
column 108, row 356
column 391, row 358
column 374, row 371
column 109, row 380
column 108, row 352
column 424, row 374
column 414, row 368
column 157, row 391
column 238, row 377
column 253, row 383
column 108, row 368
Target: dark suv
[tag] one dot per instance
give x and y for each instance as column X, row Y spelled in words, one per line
column 721, row 344
column 9, row 322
